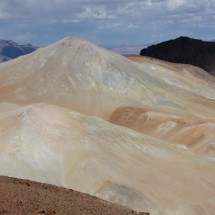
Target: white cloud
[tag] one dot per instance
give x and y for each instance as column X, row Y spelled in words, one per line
column 111, row 25
column 23, row 37
column 100, row 18
column 70, row 21
column 175, row 4
column 188, row 5
column 4, row 15
column 95, row 12
column 133, row 26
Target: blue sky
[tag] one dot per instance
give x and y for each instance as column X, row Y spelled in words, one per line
column 106, row 22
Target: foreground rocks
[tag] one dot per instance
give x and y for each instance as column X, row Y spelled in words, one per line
column 26, row 197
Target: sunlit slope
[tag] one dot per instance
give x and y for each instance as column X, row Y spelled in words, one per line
column 76, row 74
column 184, row 76
column 194, row 132
column 59, row 146
column 168, row 103
column 185, row 72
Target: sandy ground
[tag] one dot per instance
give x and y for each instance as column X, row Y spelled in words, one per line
column 26, row 197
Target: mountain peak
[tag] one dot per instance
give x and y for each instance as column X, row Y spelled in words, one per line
column 71, row 45
column 184, row 50
column 70, row 68
column 73, row 39
column 186, row 39
column 69, row 41
column 183, row 37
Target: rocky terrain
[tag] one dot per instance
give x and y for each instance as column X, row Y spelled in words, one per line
column 26, row 197
column 10, row 50
column 133, row 131
column 185, row 50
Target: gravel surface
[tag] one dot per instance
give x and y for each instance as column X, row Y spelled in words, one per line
column 26, row 197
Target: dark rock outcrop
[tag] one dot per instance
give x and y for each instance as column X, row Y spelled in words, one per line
column 185, row 50
column 10, row 50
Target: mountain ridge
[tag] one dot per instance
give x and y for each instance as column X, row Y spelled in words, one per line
column 92, row 80
column 56, row 105
column 185, row 50
column 10, row 50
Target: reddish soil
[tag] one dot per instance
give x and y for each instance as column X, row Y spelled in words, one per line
column 18, row 197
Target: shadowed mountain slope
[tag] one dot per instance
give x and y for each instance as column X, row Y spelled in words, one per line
column 10, row 50
column 185, row 50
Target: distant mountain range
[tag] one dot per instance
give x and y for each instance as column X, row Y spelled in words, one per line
column 185, row 50
column 127, row 49
column 10, row 50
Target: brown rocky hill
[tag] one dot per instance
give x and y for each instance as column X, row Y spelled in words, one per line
column 27, row 197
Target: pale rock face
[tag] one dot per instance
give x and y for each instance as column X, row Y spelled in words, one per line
column 72, row 73
column 166, row 166
column 76, row 74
